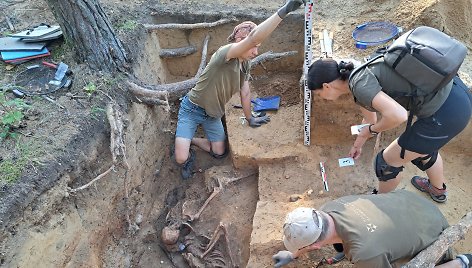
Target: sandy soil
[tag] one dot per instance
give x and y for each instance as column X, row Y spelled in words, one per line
column 48, row 228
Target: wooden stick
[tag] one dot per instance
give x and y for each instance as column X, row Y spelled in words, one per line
column 152, row 27
column 429, row 256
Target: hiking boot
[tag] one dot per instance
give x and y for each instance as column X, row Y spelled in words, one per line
column 187, row 166
column 466, row 259
column 423, row 184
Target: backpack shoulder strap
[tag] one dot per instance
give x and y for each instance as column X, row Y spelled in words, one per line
column 364, row 65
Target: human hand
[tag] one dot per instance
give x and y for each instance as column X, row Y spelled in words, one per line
column 355, row 152
column 258, row 121
column 290, row 5
column 282, row 258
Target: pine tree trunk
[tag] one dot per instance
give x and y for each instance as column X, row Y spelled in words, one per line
column 86, row 26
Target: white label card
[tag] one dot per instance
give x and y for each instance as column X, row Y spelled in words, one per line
column 347, row 161
column 357, row 128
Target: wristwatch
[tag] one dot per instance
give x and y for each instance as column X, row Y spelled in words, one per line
column 371, row 131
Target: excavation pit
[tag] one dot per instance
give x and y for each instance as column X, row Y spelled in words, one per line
column 90, row 228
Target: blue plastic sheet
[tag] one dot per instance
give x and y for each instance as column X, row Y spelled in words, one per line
column 269, row 103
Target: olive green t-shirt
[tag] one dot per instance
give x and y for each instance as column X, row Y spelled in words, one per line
column 380, row 231
column 378, row 76
column 219, row 81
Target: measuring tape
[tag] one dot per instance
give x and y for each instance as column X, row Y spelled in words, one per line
column 307, row 63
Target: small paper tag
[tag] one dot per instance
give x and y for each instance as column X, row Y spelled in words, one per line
column 357, row 128
column 347, row 161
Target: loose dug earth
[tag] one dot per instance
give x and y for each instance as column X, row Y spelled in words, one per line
column 44, row 226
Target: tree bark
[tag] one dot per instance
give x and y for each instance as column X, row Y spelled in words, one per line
column 429, row 256
column 86, row 26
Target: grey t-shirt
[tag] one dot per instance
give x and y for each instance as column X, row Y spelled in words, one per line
column 378, row 76
column 385, row 229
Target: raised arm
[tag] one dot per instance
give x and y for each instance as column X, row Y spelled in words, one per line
column 263, row 30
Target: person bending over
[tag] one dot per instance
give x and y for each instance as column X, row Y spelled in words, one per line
column 374, row 231
column 441, row 116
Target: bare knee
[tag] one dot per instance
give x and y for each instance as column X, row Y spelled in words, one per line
column 181, row 152
column 218, row 147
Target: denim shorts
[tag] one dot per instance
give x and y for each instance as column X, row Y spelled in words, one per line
column 191, row 116
column 427, row 135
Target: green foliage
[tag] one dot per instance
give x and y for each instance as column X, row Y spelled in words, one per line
column 128, row 25
column 12, row 167
column 11, row 114
column 90, row 88
column 6, row 33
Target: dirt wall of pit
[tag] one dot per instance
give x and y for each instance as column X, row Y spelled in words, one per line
column 58, row 229
column 181, row 68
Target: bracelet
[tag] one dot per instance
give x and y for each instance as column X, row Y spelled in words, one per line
column 371, row 131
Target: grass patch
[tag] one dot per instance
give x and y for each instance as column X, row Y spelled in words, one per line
column 23, row 155
column 128, row 25
column 11, row 115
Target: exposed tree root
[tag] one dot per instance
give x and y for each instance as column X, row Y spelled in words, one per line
column 271, row 56
column 177, row 52
column 152, row 27
column 429, row 256
column 118, row 152
column 161, row 94
column 92, row 181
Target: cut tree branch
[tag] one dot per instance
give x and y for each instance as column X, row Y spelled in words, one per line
column 152, row 27
column 429, row 256
column 177, row 52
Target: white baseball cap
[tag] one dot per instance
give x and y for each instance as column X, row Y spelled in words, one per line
column 301, row 229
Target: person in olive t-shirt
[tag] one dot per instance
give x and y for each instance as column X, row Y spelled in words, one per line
column 375, row 231
column 226, row 74
column 441, row 116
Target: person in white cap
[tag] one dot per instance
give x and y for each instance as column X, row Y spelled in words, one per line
column 383, row 231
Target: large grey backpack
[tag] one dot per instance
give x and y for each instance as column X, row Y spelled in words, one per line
column 425, row 56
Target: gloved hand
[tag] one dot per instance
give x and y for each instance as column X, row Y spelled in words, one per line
column 290, row 5
column 258, row 121
column 282, row 258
